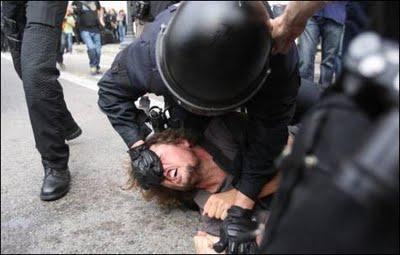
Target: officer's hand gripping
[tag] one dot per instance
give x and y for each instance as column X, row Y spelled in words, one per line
column 234, row 232
column 147, row 166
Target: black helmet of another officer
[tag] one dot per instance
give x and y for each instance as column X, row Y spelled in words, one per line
column 213, row 55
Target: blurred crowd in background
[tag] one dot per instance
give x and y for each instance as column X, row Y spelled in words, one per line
column 324, row 34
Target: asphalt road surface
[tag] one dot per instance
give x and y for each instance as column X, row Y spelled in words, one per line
column 96, row 216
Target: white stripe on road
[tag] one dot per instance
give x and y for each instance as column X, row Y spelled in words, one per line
column 6, row 56
column 81, row 81
column 90, row 84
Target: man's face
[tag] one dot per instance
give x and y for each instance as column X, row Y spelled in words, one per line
column 180, row 165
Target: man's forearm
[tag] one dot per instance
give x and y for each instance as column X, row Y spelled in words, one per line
column 287, row 27
column 270, row 187
column 300, row 11
column 244, row 201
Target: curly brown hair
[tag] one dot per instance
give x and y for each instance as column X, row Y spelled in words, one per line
column 164, row 197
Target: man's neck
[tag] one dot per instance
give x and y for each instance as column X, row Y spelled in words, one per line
column 210, row 175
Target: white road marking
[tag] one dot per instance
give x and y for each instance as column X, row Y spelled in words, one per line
column 88, row 83
column 81, row 81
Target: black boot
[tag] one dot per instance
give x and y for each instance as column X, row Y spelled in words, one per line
column 55, row 184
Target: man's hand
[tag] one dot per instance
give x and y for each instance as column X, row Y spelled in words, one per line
column 283, row 33
column 218, row 204
column 203, row 243
column 287, row 27
column 237, row 232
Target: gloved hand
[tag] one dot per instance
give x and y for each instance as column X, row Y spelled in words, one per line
column 146, row 165
column 236, row 232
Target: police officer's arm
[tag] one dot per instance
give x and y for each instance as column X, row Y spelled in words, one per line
column 117, row 95
column 270, row 112
column 288, row 26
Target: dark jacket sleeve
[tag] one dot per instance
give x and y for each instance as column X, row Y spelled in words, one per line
column 117, row 94
column 269, row 112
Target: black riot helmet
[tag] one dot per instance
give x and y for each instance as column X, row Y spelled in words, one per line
column 213, row 55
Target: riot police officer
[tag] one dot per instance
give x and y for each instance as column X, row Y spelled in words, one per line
column 342, row 175
column 33, row 30
column 208, row 58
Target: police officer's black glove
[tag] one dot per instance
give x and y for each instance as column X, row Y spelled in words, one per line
column 146, row 165
column 235, row 232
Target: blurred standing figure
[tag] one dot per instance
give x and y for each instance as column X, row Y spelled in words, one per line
column 33, row 31
column 61, row 49
column 326, row 24
column 90, row 21
column 121, row 19
column 68, row 29
column 114, row 24
column 110, row 21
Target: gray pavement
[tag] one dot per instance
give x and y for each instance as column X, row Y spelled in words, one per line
column 96, row 216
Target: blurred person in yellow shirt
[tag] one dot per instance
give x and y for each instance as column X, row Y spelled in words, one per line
column 68, row 29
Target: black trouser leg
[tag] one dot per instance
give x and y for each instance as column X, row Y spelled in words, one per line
column 47, row 109
column 44, row 93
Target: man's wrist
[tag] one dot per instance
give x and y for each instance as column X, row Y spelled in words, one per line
column 136, row 144
column 243, row 201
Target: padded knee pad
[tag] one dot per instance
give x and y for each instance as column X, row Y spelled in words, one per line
column 38, row 61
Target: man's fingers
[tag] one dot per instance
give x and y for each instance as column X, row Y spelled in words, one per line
column 224, row 214
column 219, row 211
column 211, row 210
column 207, row 206
column 212, row 239
column 201, row 233
column 203, row 245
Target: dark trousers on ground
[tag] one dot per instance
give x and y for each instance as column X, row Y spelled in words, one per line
column 34, row 58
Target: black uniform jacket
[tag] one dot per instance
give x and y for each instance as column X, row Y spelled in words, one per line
column 134, row 73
